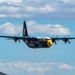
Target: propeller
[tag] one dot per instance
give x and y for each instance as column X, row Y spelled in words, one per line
column 66, row 40
column 16, row 39
column 54, row 40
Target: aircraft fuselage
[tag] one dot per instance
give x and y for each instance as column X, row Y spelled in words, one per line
column 39, row 42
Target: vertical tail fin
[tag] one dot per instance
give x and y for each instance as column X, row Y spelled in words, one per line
column 25, row 33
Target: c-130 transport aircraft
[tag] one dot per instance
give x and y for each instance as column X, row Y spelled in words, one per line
column 37, row 42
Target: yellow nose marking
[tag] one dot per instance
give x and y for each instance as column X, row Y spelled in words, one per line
column 49, row 43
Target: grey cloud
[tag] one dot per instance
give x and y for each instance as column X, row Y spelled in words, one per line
column 9, row 28
column 57, row 29
column 39, row 10
column 38, row 68
column 66, row 67
column 68, row 1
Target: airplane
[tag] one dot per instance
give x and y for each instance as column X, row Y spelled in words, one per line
column 37, row 42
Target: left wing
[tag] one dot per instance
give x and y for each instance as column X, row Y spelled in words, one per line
column 16, row 38
column 65, row 39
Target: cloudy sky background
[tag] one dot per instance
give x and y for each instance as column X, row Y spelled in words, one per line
column 43, row 18
column 58, row 10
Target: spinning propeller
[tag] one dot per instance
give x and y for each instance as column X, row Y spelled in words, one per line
column 66, row 40
column 54, row 40
column 16, row 39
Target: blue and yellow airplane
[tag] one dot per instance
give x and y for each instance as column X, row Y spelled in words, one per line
column 37, row 42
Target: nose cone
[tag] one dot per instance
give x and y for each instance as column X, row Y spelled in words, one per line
column 49, row 43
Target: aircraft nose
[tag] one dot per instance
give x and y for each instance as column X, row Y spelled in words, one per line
column 49, row 43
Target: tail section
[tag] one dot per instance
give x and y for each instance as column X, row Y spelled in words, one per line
column 25, row 33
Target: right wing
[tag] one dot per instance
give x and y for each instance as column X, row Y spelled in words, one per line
column 65, row 39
